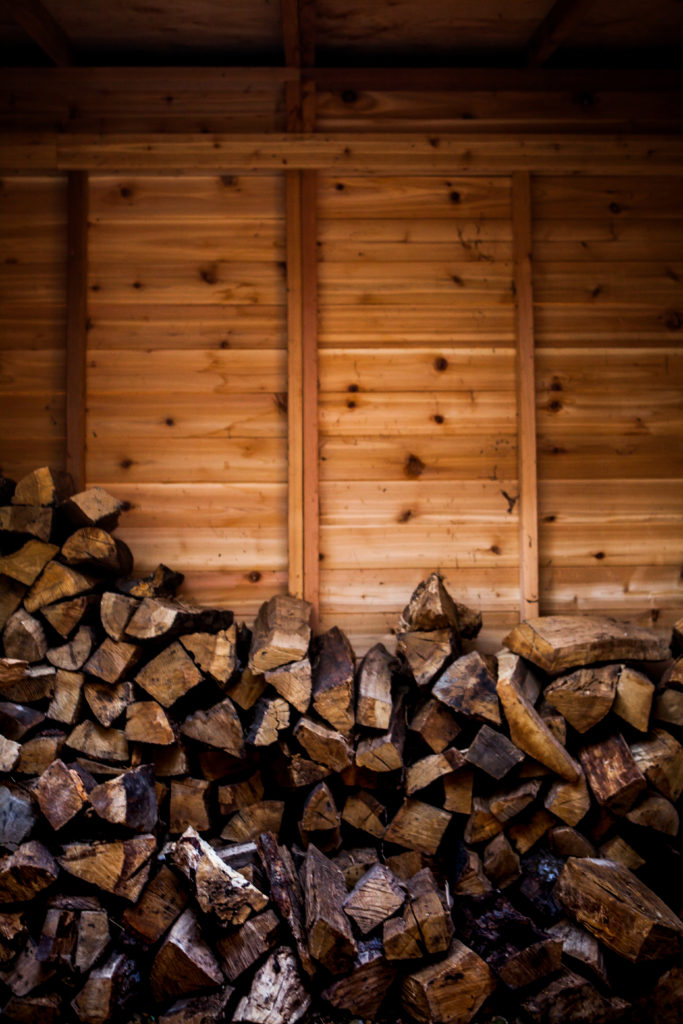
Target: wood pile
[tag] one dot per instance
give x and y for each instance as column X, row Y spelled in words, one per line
column 202, row 823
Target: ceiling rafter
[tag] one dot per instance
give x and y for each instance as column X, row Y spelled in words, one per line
column 554, row 30
column 43, row 29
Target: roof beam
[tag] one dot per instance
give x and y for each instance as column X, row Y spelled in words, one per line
column 47, row 33
column 554, row 30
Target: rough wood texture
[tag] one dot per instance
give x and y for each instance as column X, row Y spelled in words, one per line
column 294, row 682
column 169, row 676
column 120, row 867
column 277, row 995
column 384, row 752
column 468, row 687
column 660, row 758
column 107, row 702
column 435, row 724
column 184, row 962
column 375, row 897
column 428, row 769
column 32, row 520
column 107, row 991
column 161, row 903
column 43, row 486
column 218, row 888
column 418, row 826
column 373, row 701
column 56, row 583
column 451, row 990
column 613, row 775
column 619, row 909
column 96, row 741
column 324, row 744
column 129, row 799
column 633, row 700
column 493, row 753
column 214, row 653
column 96, row 548
column 426, row 652
column 432, row 607
column 281, row 633
column 218, row 726
column 147, row 722
column 425, row 927
column 24, row 638
column 113, row 660
column 73, row 655
column 60, row 794
column 364, row 990
column 584, row 697
column 242, row 948
column 285, row 891
column 26, row 872
column 560, row 1001
column 558, row 642
column 330, row 940
column 333, row 680
column 569, row 801
column 26, row 564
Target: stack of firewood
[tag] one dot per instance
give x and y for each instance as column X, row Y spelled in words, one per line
column 202, row 823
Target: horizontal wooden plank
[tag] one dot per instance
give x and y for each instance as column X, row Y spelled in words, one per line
column 410, row 327
column 32, row 242
column 346, row 503
column 184, row 240
column 610, row 543
column 27, row 328
column 402, row 283
column 365, row 590
column 417, row 414
column 624, row 284
column 457, row 250
column 439, row 368
column 199, row 415
column 606, row 457
column 337, row 234
column 38, row 372
column 32, row 200
column 442, row 197
column 188, row 281
column 160, row 199
column 154, row 460
column 377, row 458
column 643, row 502
column 448, row 544
column 614, row 198
column 216, row 506
column 243, row 590
column 202, row 548
column 600, row 368
column 22, row 457
column 625, row 327
column 24, row 283
column 218, row 372
column 165, row 325
column 644, row 410
column 30, row 417
column 623, row 589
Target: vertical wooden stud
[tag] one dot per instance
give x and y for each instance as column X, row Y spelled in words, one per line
column 76, row 323
column 526, row 395
column 309, row 323
column 295, row 401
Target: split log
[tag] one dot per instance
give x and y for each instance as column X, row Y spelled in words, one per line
column 365, row 813
column 91, row 940
column 129, row 799
column 96, row 548
column 506, row 804
column 293, row 771
column 481, row 824
column 219, row 889
column 66, row 616
column 418, row 826
column 529, row 829
column 219, row 726
column 458, row 789
column 271, row 716
column 23, row 637
column 428, row 769
column 285, row 891
column 571, row 999
column 169, row 676
column 107, row 991
column 199, row 1009
column 281, row 633
column 449, row 991
column 432, row 607
column 375, row 897
column 294, row 682
column 171, row 761
column 435, row 724
column 384, row 752
column 116, row 611
column 27, row 972
column 246, row 825
column 73, row 655
column 277, row 995
column 323, row 744
column 65, row 706
column 13, row 934
column 33, row 520
column 11, row 595
column 660, row 758
column 189, row 805
column 163, row 582
column 330, row 940
column 426, row 653
column 471, row 879
column 236, row 795
column 425, row 927
column 469, row 687
column 26, row 564
column 43, row 486
column 108, row 702
column 161, row 903
column 558, row 642
column 120, row 867
column 113, row 660
column 333, row 680
column 357, row 861
column 584, row 697
column 373, row 701
column 38, row 753
column 668, row 705
column 633, row 701
column 16, row 720
column 247, row 689
column 92, row 507
column 617, row 849
column 613, row 775
column 365, row 989
column 214, row 653
column 567, row 842
column 493, row 753
column 528, row 731
column 569, row 801
column 25, row 683
column 320, row 812
column 60, row 794
column 655, row 812
column 619, row 909
column 501, row 863
column 240, row 949
column 93, row 739
column 9, row 754
column 56, row 583
column 147, row 722
column 185, row 963
column 18, row 816
column 580, row 946
column 26, row 872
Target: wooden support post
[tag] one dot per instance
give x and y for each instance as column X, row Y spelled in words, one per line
column 526, row 395
column 295, row 400
column 76, row 324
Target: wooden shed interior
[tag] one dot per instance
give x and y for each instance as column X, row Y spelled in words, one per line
column 334, row 294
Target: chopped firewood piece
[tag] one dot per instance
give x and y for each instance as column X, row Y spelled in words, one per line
column 294, row 682
column 56, row 583
column 26, row 564
column 108, row 702
column 493, row 753
column 427, row 770
column 65, row 616
column 458, row 791
column 60, row 794
column 249, row 822
column 199, row 1009
column 9, row 754
column 383, row 752
column 292, row 770
column 468, row 687
column 568, row 801
column 170, row 761
column 27, row 972
column 147, row 722
column 24, row 638
column 436, row 725
column 364, row 812
column 528, row 731
column 185, row 962
column 163, row 582
column 633, row 701
column 613, row 775
column 570, row 999
column 13, row 933
column 418, row 826
column 128, row 800
column 567, row 842
column 277, row 995
column 93, row 739
column 376, row 896
column 26, row 872
column 501, row 863
column 92, row 507
column 162, row 902
column 271, row 716
column 170, row 675
column 656, row 812
column 426, row 652
column 25, row 683
column 95, row 547
column 449, row 991
column 373, row 702
column 236, row 795
column 67, row 696
column 668, row 705
column 219, row 726
column 320, row 811
column 156, row 617
column 73, row 655
column 481, row 824
column 92, row 938
column 247, row 689
column 38, row 753
column 120, row 867
column 116, row 611
column 113, row 660
column 554, row 720
column 356, row 861
column 218, row 888
column 281, row 633
column 18, row 816
column 509, row 942
column 34, row 520
column 323, row 744
column 527, row 831
column 330, row 940
column 619, row 909
column 508, row 803
column 333, row 680
column 584, row 697
column 285, row 891
column 471, row 878
column 43, row 486
column 189, row 807
column 660, row 758
column 432, row 607
column 214, row 653
column 581, row 946
column 11, row 594
column 618, row 850
column 558, row 642
column 16, row 720
column 364, row 990
column 241, row 949
column 107, row 991
column 425, row 926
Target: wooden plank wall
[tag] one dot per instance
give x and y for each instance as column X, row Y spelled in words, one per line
column 33, row 242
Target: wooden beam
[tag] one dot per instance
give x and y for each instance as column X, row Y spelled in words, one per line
column 295, row 400
column 555, row 28
column 309, row 320
column 76, row 324
column 40, row 25
column 526, row 395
